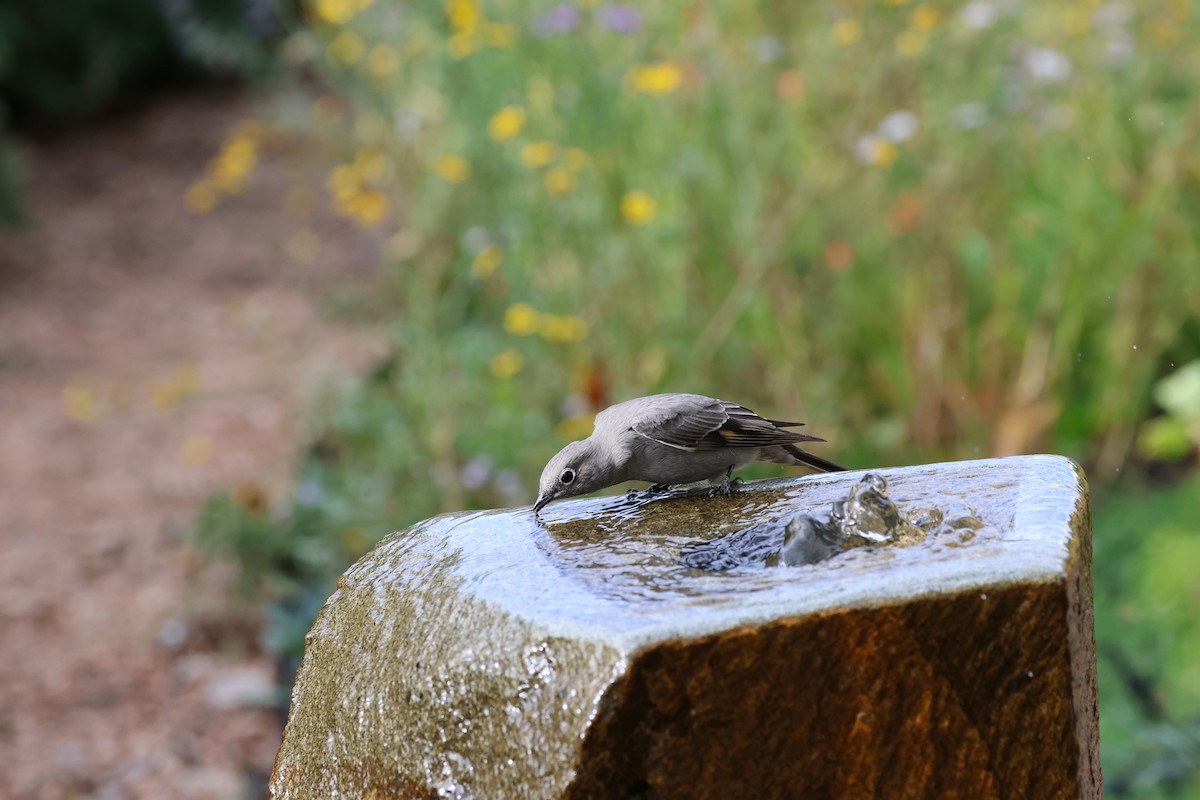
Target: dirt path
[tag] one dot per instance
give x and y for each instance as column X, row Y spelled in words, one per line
column 148, row 357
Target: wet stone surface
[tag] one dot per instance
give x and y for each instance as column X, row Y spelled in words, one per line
column 931, row 637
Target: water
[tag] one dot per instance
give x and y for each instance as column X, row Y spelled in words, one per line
column 652, row 554
column 866, row 517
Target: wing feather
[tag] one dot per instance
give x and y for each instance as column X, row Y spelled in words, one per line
column 703, row 423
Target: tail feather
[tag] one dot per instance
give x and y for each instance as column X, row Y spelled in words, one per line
column 790, row 454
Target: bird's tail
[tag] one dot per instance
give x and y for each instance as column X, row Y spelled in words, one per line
column 790, row 454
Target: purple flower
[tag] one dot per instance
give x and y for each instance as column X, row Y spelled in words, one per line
column 622, row 19
column 562, row 18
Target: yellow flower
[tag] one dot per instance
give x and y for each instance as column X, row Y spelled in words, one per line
column 656, row 79
column 487, row 262
column 538, row 154
column 910, row 44
column 229, row 169
column 347, row 47
column 383, row 61
column 79, row 403
column 562, row 329
column 881, row 152
column 507, row 363
column 638, row 208
column 500, row 35
column 575, row 159
column 196, row 450
column 460, row 46
column 521, row 319
column 559, row 182
column 464, row 15
column 506, row 123
column 200, row 197
column 369, row 207
column 452, row 168
column 342, row 178
column 925, row 17
column 335, row 12
column 846, row 31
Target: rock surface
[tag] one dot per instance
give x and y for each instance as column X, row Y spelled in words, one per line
column 481, row 655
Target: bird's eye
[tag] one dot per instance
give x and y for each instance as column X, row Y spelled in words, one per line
column 567, row 477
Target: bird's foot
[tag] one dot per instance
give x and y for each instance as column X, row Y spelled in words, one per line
column 726, row 487
column 655, row 489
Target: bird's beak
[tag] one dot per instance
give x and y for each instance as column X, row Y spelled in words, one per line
column 541, row 503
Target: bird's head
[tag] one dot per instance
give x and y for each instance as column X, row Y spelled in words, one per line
column 578, row 468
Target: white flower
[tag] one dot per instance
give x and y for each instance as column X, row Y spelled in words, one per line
column 979, row 14
column 971, row 115
column 899, row 126
column 1047, row 66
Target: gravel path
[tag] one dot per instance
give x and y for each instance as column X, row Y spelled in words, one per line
column 149, row 357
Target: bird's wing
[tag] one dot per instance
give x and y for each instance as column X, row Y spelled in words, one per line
column 693, row 422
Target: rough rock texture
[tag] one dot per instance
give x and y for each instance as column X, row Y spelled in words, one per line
column 480, row 655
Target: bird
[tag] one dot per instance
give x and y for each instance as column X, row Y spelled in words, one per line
column 668, row 439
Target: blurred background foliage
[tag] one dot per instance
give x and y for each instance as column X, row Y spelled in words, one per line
column 65, row 62
column 935, row 230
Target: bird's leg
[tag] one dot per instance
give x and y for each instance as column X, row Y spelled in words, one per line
column 726, row 487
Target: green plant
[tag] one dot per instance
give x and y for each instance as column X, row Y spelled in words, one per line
column 1177, row 433
column 1147, row 636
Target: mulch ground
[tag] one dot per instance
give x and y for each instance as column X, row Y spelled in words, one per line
column 150, row 357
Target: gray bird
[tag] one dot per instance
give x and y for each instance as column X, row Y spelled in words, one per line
column 668, row 439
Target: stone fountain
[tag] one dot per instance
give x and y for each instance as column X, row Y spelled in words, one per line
column 670, row 647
